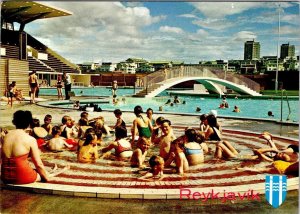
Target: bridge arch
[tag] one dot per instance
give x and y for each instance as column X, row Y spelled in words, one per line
column 208, row 82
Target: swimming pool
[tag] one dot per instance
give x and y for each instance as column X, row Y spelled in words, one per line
column 250, row 108
column 91, row 91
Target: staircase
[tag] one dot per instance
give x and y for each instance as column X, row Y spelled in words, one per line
column 147, row 90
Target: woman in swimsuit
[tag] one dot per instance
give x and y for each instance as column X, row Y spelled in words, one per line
column 59, row 89
column 121, row 145
column 16, row 148
column 141, row 124
column 213, row 133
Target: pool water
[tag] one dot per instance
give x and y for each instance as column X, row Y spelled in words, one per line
column 250, row 107
column 91, row 91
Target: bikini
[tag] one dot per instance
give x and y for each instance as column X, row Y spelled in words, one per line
column 189, row 151
column 17, row 170
column 121, row 149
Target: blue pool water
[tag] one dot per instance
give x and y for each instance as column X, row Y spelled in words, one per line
column 90, row 91
column 250, row 108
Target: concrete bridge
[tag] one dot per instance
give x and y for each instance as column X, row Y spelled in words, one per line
column 159, row 81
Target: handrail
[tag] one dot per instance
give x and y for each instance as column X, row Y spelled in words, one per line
column 196, row 71
column 287, row 100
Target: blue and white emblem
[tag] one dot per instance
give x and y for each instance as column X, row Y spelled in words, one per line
column 275, row 188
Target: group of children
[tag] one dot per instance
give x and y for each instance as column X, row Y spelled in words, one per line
column 86, row 138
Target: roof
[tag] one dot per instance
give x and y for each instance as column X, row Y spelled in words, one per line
column 24, row 12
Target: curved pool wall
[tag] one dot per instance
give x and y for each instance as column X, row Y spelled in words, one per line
column 108, row 178
column 250, row 108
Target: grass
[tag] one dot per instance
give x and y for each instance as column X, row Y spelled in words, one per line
column 273, row 92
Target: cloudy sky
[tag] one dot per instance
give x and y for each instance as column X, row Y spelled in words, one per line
column 179, row 31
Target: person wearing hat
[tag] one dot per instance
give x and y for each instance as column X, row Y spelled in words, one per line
column 114, row 88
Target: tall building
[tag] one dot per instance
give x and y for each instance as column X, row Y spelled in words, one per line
column 287, row 50
column 251, row 50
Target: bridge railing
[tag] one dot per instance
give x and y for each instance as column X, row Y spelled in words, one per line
column 238, row 79
column 197, row 71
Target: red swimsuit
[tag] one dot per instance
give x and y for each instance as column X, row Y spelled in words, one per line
column 17, row 170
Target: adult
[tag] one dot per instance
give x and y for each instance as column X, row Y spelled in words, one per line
column 213, row 133
column 149, row 113
column 68, row 84
column 114, row 88
column 141, row 124
column 16, row 148
column 59, row 88
column 165, row 139
column 33, row 83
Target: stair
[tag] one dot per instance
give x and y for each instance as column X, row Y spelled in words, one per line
column 146, row 91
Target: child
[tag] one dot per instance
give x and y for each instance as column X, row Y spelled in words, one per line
column 57, row 143
column 120, row 121
column 47, row 123
column 121, row 145
column 88, row 153
column 139, row 155
column 157, row 166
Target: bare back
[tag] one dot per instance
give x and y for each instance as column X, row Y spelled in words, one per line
column 16, row 143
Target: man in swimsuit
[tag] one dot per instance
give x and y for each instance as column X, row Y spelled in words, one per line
column 33, row 83
column 165, row 139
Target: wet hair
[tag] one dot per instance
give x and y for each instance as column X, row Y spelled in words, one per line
column 149, row 109
column 55, row 130
column 48, row 116
column 155, row 161
column 212, row 120
column 22, row 119
column 203, row 117
column 117, row 112
column 166, row 121
column 89, row 138
column 84, row 114
column 138, row 110
column 121, row 132
column 64, row 119
column 159, row 120
column 191, row 135
column 35, row 123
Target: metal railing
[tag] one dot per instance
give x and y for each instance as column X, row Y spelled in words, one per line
column 281, row 109
column 197, row 71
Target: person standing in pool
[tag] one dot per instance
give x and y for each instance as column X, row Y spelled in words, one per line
column 114, row 88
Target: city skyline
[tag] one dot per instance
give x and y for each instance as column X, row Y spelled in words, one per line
column 178, row 31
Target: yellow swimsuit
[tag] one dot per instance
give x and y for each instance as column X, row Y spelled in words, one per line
column 281, row 166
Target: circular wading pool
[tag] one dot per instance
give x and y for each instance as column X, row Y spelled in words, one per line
column 109, row 178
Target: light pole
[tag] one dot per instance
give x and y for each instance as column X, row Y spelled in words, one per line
column 277, row 64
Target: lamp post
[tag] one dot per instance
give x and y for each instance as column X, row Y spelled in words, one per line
column 277, row 64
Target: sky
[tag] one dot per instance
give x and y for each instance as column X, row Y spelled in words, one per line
column 177, row 31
